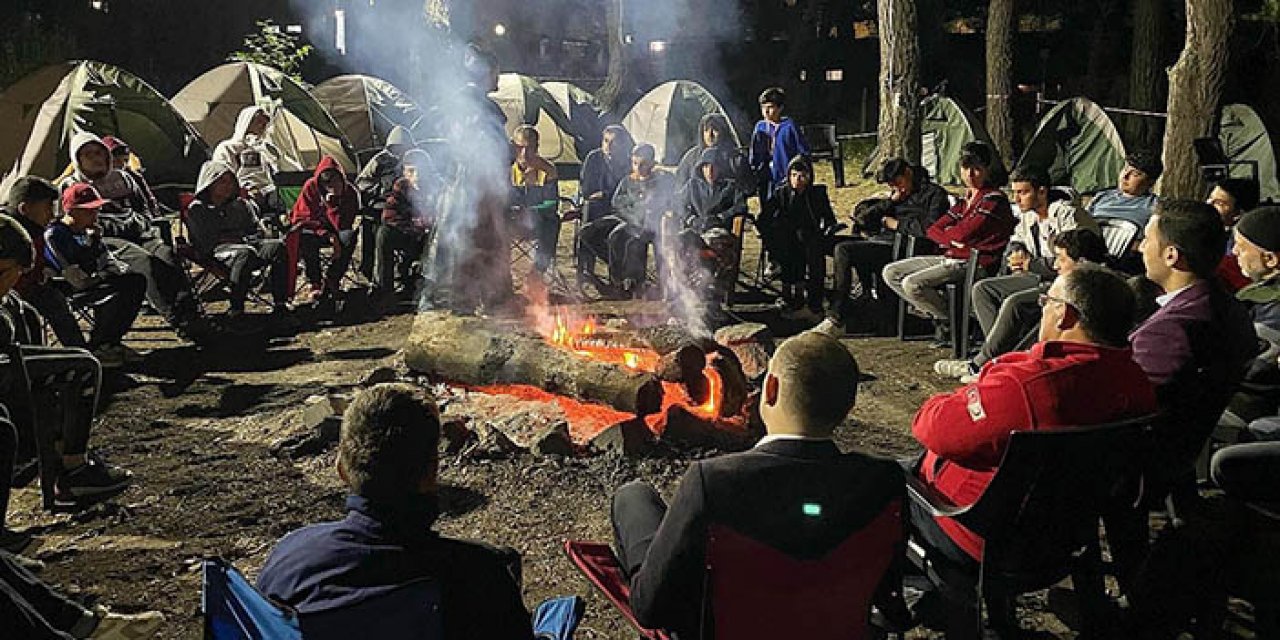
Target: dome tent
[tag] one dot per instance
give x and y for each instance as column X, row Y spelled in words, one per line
column 301, row 128
column 1245, row 141
column 586, row 121
column 366, row 109
column 525, row 101
column 1078, row 145
column 667, row 118
column 945, row 128
column 44, row 110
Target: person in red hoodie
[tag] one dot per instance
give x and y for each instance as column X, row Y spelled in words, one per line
column 1080, row 373
column 983, row 221
column 324, row 215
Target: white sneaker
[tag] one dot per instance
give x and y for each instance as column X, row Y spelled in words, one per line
column 952, row 368
column 969, row 378
column 122, row 626
column 830, row 327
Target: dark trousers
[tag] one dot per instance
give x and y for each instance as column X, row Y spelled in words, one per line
column 624, row 245
column 390, row 242
column 331, row 280
column 636, row 513
column 593, row 242
column 865, row 258
column 1008, row 309
column 1248, row 472
column 243, row 260
column 543, row 227
column 65, row 385
column 32, row 610
column 168, row 288
column 8, row 458
column 369, row 227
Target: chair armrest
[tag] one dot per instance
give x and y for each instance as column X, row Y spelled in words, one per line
column 932, row 500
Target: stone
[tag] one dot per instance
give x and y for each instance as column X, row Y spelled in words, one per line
column 553, row 440
column 320, row 408
column 311, row 441
column 455, row 435
column 491, row 443
column 685, row 428
column 733, row 382
column 628, row 439
column 752, row 343
column 380, row 375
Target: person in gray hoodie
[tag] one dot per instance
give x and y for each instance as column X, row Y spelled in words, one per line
column 225, row 227
column 254, row 159
column 375, row 183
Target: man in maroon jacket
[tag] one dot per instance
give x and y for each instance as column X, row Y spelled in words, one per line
column 1080, row 373
column 982, row 222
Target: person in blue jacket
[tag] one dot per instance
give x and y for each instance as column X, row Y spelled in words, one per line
column 775, row 141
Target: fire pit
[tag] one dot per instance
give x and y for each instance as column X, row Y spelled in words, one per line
column 598, row 370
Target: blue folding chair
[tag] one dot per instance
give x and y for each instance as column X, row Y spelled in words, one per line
column 234, row 610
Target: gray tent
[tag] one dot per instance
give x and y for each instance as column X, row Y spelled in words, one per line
column 1078, row 145
column 525, row 101
column 367, row 108
column 301, row 127
column 667, row 118
column 1245, row 141
column 44, row 110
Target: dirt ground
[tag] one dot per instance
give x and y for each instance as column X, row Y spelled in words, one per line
column 196, row 426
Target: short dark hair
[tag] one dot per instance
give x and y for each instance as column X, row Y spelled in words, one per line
column 528, row 132
column 977, row 152
column 1035, row 175
column 389, row 440
column 1083, row 244
column 773, row 95
column 1195, row 229
column 15, row 244
column 1104, row 301
column 31, row 189
column 1146, row 161
column 1245, row 191
column 478, row 60
column 892, row 169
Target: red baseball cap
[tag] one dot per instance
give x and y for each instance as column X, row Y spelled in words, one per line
column 82, row 196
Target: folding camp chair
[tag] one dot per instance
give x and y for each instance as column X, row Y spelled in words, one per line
column 824, row 145
column 755, row 591
column 1039, row 519
column 210, row 277
column 904, row 246
column 524, row 245
column 1119, row 235
column 960, row 306
column 15, row 386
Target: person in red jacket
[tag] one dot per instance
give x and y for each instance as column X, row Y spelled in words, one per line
column 324, row 215
column 983, row 221
column 1080, row 373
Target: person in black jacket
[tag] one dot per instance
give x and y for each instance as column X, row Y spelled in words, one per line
column 796, row 226
column 706, row 248
column 794, row 492
column 602, row 170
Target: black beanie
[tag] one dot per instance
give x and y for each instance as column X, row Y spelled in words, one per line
column 1262, row 227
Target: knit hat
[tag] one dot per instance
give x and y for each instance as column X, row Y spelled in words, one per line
column 1261, row 227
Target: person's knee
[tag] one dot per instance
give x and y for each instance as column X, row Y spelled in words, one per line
column 631, row 492
column 913, row 283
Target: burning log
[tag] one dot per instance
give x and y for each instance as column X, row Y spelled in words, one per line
column 472, row 351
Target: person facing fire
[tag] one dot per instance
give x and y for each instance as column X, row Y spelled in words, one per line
column 535, row 197
column 706, row 247
column 642, row 200
column 407, row 218
column 324, row 214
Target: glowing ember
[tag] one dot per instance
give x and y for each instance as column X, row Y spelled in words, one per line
column 585, row 419
column 631, row 360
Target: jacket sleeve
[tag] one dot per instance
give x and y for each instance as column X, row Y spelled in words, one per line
column 794, row 143
column 970, row 426
column 665, row 590
column 201, row 234
column 939, row 230
column 968, row 229
column 1161, row 348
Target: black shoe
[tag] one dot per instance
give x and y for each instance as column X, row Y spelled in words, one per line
column 941, row 334
column 14, row 542
column 91, row 479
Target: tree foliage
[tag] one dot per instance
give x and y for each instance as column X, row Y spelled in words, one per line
column 272, row 47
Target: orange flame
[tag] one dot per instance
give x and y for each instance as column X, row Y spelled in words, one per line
column 715, row 386
column 631, row 360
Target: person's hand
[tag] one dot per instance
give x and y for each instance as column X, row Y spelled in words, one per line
column 599, row 195
column 890, row 223
column 1019, row 261
column 331, row 198
column 957, row 244
column 898, row 195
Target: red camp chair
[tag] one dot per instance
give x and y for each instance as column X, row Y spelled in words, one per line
column 756, row 591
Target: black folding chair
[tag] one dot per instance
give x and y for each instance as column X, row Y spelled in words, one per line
column 960, row 306
column 1039, row 519
column 904, row 246
column 16, row 387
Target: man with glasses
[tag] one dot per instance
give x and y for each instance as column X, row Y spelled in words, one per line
column 1081, row 372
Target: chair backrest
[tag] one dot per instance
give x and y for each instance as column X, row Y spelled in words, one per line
column 822, row 140
column 1045, row 500
column 757, row 591
column 234, row 610
column 1118, row 234
column 415, row 606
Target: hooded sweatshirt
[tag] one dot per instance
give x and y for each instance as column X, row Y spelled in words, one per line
column 254, row 160
column 379, row 175
column 729, row 161
column 210, row 225
column 773, row 146
column 128, row 215
column 311, row 211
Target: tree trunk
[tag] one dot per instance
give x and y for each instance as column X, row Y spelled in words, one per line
column 1000, row 17
column 1146, row 79
column 1195, row 88
column 619, row 86
column 1102, row 52
column 899, row 131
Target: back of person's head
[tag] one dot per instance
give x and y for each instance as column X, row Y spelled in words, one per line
column 15, row 244
column 1036, row 176
column 773, row 95
column 388, row 446
column 1103, row 301
column 1195, row 229
column 478, row 61
column 1245, row 191
column 1083, row 244
column 30, row 189
column 892, row 169
column 976, row 153
column 816, row 381
column 1147, row 162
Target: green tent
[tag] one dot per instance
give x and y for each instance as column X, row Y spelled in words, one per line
column 586, row 121
column 525, row 101
column 667, row 118
column 947, row 126
column 1078, row 145
column 1245, row 140
column 301, row 128
column 44, row 110
column 366, row 109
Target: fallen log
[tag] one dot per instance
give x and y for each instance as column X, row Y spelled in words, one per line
column 473, row 351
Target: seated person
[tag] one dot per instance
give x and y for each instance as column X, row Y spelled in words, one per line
column 33, row 203
column 1233, row 197
column 64, row 382
column 324, row 214
column 388, row 458
column 982, row 222
column 603, row 169
column 33, row 609
column 706, row 247
column 128, row 229
column 225, row 227
column 74, row 249
column 639, row 205
column 1080, row 373
column 375, row 182
column 123, row 160
column 1132, row 200
column 809, row 389
column 796, row 225
column 1257, row 249
column 1015, row 326
column 915, row 202
column 716, row 137
column 535, row 198
column 409, row 213
column 254, row 160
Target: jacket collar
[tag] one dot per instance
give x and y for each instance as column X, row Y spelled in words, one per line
column 407, row 517
column 808, row 449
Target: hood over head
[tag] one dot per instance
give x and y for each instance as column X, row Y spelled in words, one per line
column 326, row 163
column 80, row 141
column 210, row 171
column 245, row 117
